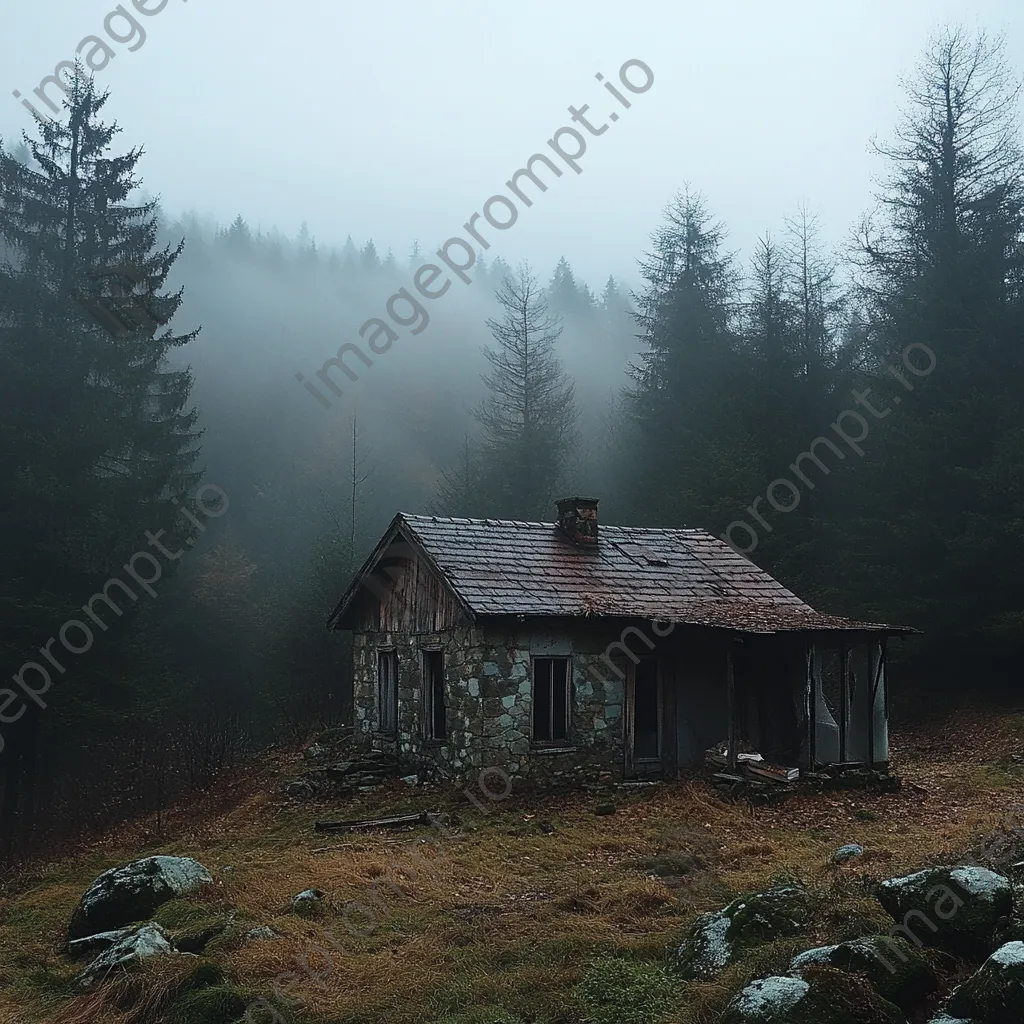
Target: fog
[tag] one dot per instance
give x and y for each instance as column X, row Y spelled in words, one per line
column 315, row 158
column 396, row 121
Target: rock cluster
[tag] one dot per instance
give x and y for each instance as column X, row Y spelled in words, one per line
column 964, row 910
column 360, row 772
column 140, row 910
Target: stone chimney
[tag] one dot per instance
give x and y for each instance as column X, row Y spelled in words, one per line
column 577, row 519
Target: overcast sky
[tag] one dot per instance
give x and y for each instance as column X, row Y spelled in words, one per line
column 399, row 119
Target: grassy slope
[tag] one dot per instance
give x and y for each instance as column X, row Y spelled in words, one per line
column 508, row 915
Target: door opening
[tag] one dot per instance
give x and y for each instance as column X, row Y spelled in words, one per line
column 646, row 712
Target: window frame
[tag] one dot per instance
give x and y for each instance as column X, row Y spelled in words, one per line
column 428, row 706
column 567, row 739
column 389, row 656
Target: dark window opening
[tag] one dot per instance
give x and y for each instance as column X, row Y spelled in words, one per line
column 551, row 700
column 387, row 691
column 434, row 710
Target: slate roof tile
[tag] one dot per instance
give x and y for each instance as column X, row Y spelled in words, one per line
column 502, row 567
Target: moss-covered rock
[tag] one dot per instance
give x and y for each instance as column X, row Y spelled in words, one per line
column 147, row 941
column 995, row 993
column 131, row 893
column 308, row 903
column 716, row 939
column 960, row 909
column 821, row 995
column 894, row 967
column 216, row 1004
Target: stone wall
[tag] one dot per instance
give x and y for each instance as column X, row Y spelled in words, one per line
column 488, row 690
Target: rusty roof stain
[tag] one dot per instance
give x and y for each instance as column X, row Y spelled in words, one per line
column 687, row 576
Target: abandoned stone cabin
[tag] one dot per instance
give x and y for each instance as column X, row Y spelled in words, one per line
column 563, row 649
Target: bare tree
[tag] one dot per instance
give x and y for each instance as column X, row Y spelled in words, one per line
column 955, row 159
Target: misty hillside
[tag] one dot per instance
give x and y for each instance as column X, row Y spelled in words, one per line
column 754, row 273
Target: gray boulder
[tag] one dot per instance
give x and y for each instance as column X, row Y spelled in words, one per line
column 715, row 939
column 959, row 909
column 895, row 968
column 824, row 996
column 848, row 852
column 131, row 893
column 140, row 943
column 995, row 993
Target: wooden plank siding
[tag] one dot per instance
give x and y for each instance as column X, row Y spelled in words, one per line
column 412, row 598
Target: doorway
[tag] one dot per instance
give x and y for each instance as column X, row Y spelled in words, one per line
column 644, row 718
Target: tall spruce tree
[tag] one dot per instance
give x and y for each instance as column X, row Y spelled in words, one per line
column 96, row 441
column 943, row 279
column 692, row 465
column 527, row 418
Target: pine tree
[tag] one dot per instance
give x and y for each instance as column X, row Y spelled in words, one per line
column 692, row 462
column 463, row 487
column 528, row 416
column 369, row 262
column 564, row 295
column 349, row 257
column 943, row 280
column 96, row 441
column 499, row 270
column 237, row 239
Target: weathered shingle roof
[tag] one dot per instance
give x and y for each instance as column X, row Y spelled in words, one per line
column 501, row 567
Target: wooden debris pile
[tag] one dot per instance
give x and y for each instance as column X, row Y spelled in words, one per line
column 752, row 775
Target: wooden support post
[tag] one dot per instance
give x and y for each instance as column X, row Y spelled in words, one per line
column 878, row 649
column 885, row 681
column 872, row 694
column 812, row 709
column 730, row 689
column 844, row 699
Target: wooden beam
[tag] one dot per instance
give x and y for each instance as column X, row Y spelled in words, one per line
column 399, row 821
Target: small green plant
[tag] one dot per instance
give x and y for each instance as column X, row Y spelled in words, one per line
column 218, row 1004
column 863, row 814
column 620, row 991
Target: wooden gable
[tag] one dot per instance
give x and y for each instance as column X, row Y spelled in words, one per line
column 403, row 592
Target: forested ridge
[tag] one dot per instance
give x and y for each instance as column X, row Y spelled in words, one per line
column 698, row 398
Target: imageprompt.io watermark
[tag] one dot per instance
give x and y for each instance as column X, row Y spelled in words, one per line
column 861, row 398
column 499, row 212
column 121, row 26
column 120, row 315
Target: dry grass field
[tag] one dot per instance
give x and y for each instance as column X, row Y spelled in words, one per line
column 537, row 911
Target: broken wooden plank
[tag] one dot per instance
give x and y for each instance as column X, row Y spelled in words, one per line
column 395, row 821
column 774, row 772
